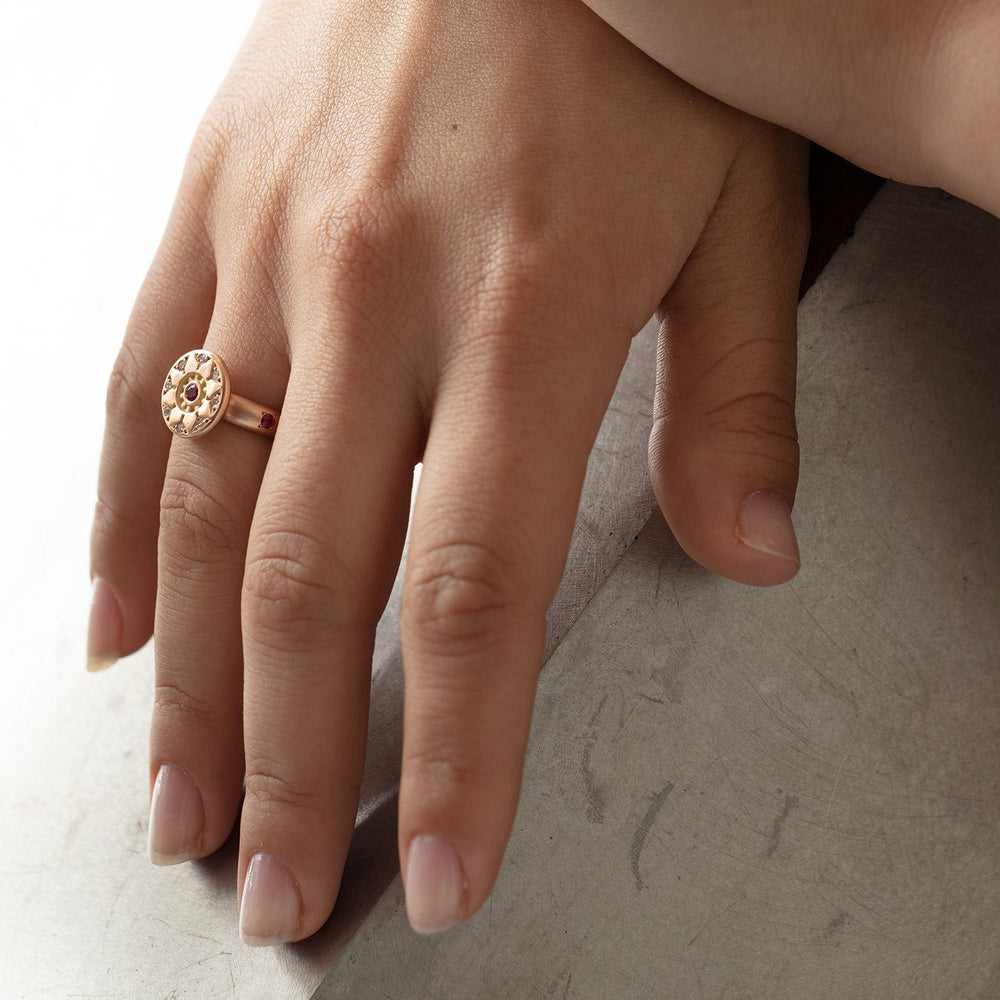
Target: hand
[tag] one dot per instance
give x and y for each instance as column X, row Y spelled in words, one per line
column 906, row 89
column 426, row 233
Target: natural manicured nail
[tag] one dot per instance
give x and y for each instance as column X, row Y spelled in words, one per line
column 765, row 524
column 435, row 884
column 104, row 637
column 176, row 817
column 271, row 911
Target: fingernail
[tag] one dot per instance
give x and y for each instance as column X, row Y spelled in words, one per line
column 765, row 524
column 176, row 817
column 435, row 884
column 271, row 911
column 104, row 637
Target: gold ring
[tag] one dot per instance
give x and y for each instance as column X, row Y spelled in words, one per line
column 197, row 395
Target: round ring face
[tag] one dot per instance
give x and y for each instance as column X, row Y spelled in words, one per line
column 195, row 393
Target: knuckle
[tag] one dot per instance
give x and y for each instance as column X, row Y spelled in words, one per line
column 439, row 769
column 761, row 361
column 750, row 388
column 511, row 329
column 208, row 153
column 127, row 394
column 171, row 701
column 762, row 413
column 458, row 591
column 354, row 238
column 256, row 255
column 194, row 524
column 759, row 426
column 122, row 537
column 511, row 289
column 267, row 785
column 286, row 583
column 754, row 429
column 109, row 522
column 516, row 268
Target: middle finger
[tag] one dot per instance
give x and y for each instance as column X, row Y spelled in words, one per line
column 326, row 540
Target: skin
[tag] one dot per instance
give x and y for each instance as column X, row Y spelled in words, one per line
column 906, row 88
column 429, row 237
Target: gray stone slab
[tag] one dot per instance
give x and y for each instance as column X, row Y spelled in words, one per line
column 784, row 793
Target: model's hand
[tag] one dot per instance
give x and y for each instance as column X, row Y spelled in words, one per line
column 907, row 88
column 426, row 231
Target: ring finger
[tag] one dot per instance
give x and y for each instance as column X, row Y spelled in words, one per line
column 209, row 493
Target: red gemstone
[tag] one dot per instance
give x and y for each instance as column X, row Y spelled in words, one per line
column 191, row 393
column 267, row 422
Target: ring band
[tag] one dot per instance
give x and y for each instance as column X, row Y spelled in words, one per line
column 197, row 395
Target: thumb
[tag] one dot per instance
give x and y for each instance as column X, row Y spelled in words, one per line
column 723, row 453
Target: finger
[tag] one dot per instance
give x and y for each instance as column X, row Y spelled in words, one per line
column 500, row 484
column 207, row 503
column 171, row 314
column 325, row 544
column 723, row 453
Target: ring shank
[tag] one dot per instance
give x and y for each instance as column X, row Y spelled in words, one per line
column 251, row 416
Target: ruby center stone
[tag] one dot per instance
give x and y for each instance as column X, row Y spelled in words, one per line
column 266, row 421
column 191, row 393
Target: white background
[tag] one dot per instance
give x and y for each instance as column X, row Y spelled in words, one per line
column 98, row 103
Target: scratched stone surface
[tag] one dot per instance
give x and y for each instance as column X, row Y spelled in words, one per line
column 739, row 793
